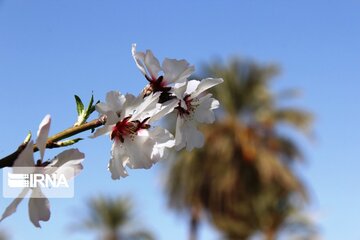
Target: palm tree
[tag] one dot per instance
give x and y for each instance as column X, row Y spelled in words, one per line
column 300, row 226
column 243, row 178
column 113, row 218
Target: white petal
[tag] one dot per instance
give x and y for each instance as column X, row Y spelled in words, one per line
column 145, row 107
column 43, row 133
column 13, row 205
column 102, row 108
column 180, row 142
column 191, row 87
column 152, row 64
column 214, row 104
column 25, row 159
column 204, row 112
column 39, row 208
column 118, row 161
column 139, row 150
column 114, row 105
column 176, row 71
column 117, row 169
column 67, row 163
column 69, row 170
column 130, row 98
column 206, row 84
column 111, row 116
column 179, row 90
column 69, row 155
column 147, row 63
column 131, row 104
column 190, row 136
column 115, row 101
column 163, row 141
column 163, row 110
column 139, row 58
column 194, row 138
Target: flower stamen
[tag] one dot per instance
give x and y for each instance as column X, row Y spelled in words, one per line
column 128, row 128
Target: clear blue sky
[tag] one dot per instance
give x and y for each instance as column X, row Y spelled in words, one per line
column 51, row 50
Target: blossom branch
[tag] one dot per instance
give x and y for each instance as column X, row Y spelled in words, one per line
column 9, row 160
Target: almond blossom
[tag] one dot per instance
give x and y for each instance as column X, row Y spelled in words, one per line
column 174, row 71
column 135, row 143
column 39, row 207
column 194, row 106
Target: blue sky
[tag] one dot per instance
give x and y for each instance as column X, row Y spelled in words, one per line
column 51, row 50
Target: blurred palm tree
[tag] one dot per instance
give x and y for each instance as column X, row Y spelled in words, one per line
column 113, row 218
column 243, row 178
column 300, row 226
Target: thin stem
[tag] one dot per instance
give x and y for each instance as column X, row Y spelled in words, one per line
column 9, row 160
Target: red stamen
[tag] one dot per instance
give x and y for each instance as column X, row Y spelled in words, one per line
column 126, row 128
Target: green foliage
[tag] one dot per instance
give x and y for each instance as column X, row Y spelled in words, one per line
column 84, row 114
column 79, row 105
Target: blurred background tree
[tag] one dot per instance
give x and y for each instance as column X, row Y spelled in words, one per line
column 243, row 179
column 113, row 219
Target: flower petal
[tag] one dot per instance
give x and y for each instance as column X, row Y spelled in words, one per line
column 187, row 135
column 139, row 149
column 179, row 90
column 204, row 111
column 179, row 137
column 118, row 161
column 13, row 205
column 176, row 71
column 115, row 101
column 191, row 87
column 144, row 107
column 146, row 62
column 131, row 104
column 206, row 84
column 163, row 110
column 163, row 141
column 67, row 163
column 25, row 159
column 152, row 64
column 117, row 169
column 139, row 58
column 102, row 108
column 43, row 133
column 39, row 208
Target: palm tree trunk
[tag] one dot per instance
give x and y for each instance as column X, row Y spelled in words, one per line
column 194, row 223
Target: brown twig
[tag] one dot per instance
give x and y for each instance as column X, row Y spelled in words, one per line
column 9, row 160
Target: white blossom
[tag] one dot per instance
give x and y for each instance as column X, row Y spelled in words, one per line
column 39, row 206
column 135, row 143
column 194, row 106
column 174, row 71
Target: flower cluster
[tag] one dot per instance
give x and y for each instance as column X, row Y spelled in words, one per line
column 137, row 143
column 131, row 123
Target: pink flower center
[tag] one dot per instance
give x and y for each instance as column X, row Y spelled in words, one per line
column 189, row 107
column 127, row 128
column 158, row 85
